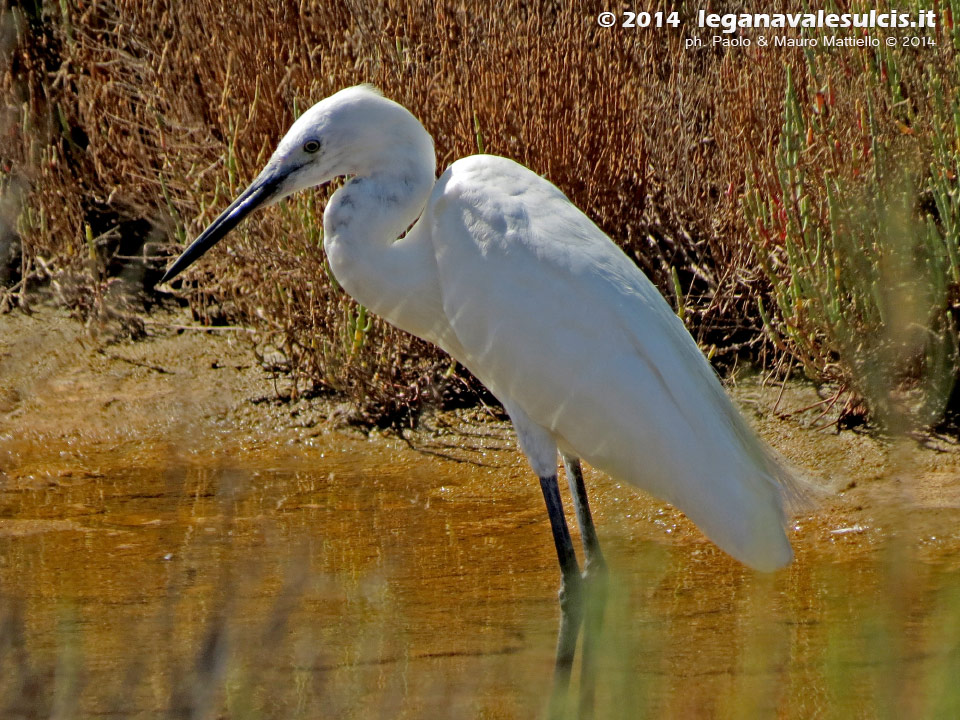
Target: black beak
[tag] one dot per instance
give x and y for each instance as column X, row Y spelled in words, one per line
column 250, row 199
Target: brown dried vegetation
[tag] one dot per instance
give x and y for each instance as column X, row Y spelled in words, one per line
column 128, row 125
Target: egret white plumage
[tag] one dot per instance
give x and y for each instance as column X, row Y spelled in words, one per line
column 505, row 274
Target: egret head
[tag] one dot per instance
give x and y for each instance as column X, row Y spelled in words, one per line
column 354, row 132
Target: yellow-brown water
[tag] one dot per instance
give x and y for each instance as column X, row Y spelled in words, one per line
column 353, row 580
column 160, row 558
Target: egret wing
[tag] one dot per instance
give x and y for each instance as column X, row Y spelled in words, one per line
column 558, row 321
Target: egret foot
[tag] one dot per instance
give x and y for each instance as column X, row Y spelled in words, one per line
column 572, row 593
column 596, row 581
column 595, row 571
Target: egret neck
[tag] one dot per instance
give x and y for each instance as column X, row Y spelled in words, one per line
column 394, row 276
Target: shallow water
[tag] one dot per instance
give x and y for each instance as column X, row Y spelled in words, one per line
column 356, row 578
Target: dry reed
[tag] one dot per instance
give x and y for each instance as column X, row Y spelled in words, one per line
column 129, row 125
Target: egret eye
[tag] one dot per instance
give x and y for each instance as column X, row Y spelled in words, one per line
column 311, row 146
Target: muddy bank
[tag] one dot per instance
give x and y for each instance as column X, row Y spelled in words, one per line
column 184, row 389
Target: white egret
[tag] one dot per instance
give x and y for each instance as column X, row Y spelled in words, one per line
column 505, row 274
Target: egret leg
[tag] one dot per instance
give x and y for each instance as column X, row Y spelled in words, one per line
column 595, row 596
column 571, row 605
column 594, row 564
